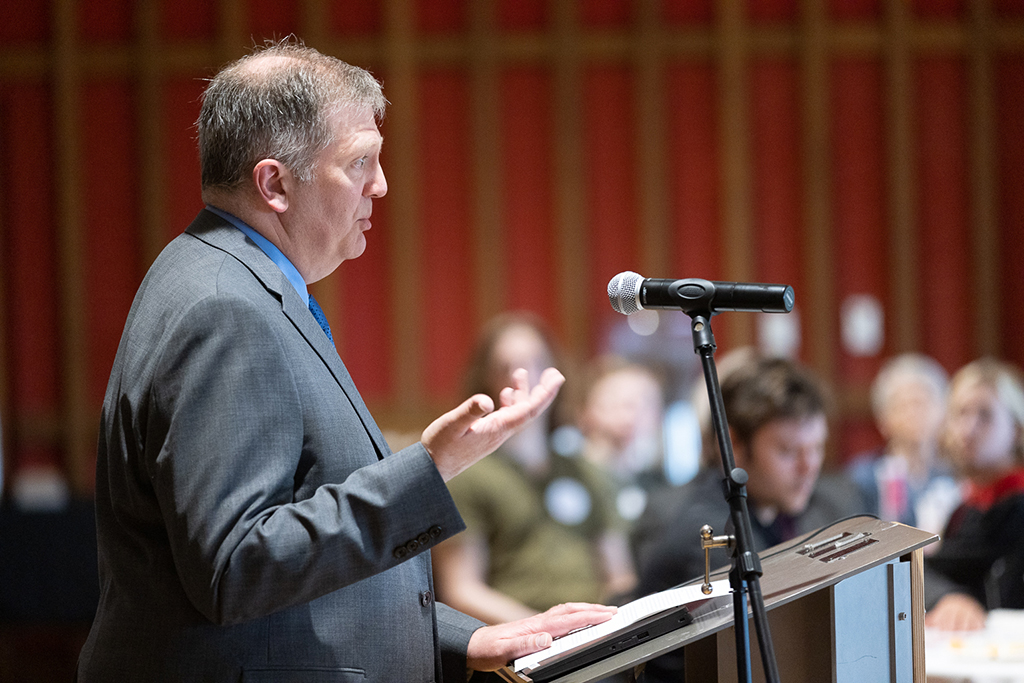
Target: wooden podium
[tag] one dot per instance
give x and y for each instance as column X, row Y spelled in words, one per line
column 845, row 604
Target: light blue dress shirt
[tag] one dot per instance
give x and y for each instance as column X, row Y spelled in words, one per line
column 271, row 250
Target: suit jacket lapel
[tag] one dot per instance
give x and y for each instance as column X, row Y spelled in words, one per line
column 220, row 234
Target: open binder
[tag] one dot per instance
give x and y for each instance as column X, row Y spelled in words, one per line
column 637, row 622
column 842, row 598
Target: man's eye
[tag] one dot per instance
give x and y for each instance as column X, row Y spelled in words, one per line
column 361, row 163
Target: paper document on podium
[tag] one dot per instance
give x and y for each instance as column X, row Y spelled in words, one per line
column 616, row 633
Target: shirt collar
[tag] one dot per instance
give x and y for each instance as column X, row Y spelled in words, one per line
column 271, row 250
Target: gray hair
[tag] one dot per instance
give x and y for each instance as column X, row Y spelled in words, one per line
column 908, row 367
column 276, row 103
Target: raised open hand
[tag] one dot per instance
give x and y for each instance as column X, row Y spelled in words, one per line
column 466, row 434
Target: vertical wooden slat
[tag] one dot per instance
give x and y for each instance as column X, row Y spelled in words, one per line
column 232, row 38
column 487, row 154
column 570, row 209
column 903, row 320
column 152, row 226
column 818, row 305
column 736, row 163
column 917, row 614
column 77, row 418
column 313, row 23
column 984, row 195
column 406, row 250
column 649, row 142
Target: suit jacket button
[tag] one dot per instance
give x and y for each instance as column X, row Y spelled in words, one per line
column 435, row 531
column 423, row 538
column 400, row 552
column 412, row 545
column 425, row 598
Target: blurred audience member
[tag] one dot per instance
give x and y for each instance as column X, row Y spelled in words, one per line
column 621, row 423
column 777, row 415
column 541, row 527
column 980, row 564
column 663, row 342
column 776, row 412
column 905, row 480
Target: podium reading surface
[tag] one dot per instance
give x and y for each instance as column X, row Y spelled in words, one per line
column 845, row 604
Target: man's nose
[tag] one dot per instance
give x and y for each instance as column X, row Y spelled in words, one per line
column 378, row 186
column 808, row 462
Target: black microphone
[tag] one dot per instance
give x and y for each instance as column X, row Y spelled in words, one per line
column 630, row 292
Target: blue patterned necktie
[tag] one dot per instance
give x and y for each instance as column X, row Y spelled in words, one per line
column 318, row 313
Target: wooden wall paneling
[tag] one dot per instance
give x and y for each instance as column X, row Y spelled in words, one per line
column 162, row 67
column 819, row 305
column 313, row 22
column 530, row 232
column 445, row 172
column 615, row 173
column 77, row 420
column 570, row 210
column 400, row 58
column 1008, row 34
column 695, row 151
column 983, row 173
column 656, row 238
column 489, row 267
column 32, row 276
column 232, row 37
column 1010, row 111
column 944, row 244
column 149, row 71
column 858, row 200
column 736, row 195
column 902, row 320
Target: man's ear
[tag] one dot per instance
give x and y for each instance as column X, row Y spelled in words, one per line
column 272, row 180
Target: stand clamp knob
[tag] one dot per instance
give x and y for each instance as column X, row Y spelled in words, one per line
column 708, row 541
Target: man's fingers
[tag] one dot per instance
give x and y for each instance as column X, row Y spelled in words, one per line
column 480, row 405
column 506, row 649
column 528, row 644
column 562, row 619
column 552, row 379
column 469, row 411
column 455, row 422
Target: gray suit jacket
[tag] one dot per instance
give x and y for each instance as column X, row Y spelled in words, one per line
column 252, row 523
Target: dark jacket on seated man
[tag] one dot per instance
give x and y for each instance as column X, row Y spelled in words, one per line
column 776, row 411
column 667, row 542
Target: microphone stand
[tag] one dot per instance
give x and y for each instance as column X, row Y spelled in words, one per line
column 745, row 576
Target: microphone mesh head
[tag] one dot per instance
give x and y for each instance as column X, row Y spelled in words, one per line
column 624, row 292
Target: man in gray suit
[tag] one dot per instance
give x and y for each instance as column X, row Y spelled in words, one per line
column 253, row 524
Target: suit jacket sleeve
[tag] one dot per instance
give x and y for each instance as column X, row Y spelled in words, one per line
column 454, row 631
column 270, row 489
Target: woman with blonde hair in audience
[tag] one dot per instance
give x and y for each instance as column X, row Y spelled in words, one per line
column 980, row 565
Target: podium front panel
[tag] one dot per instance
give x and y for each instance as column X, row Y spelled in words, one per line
column 793, row 574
